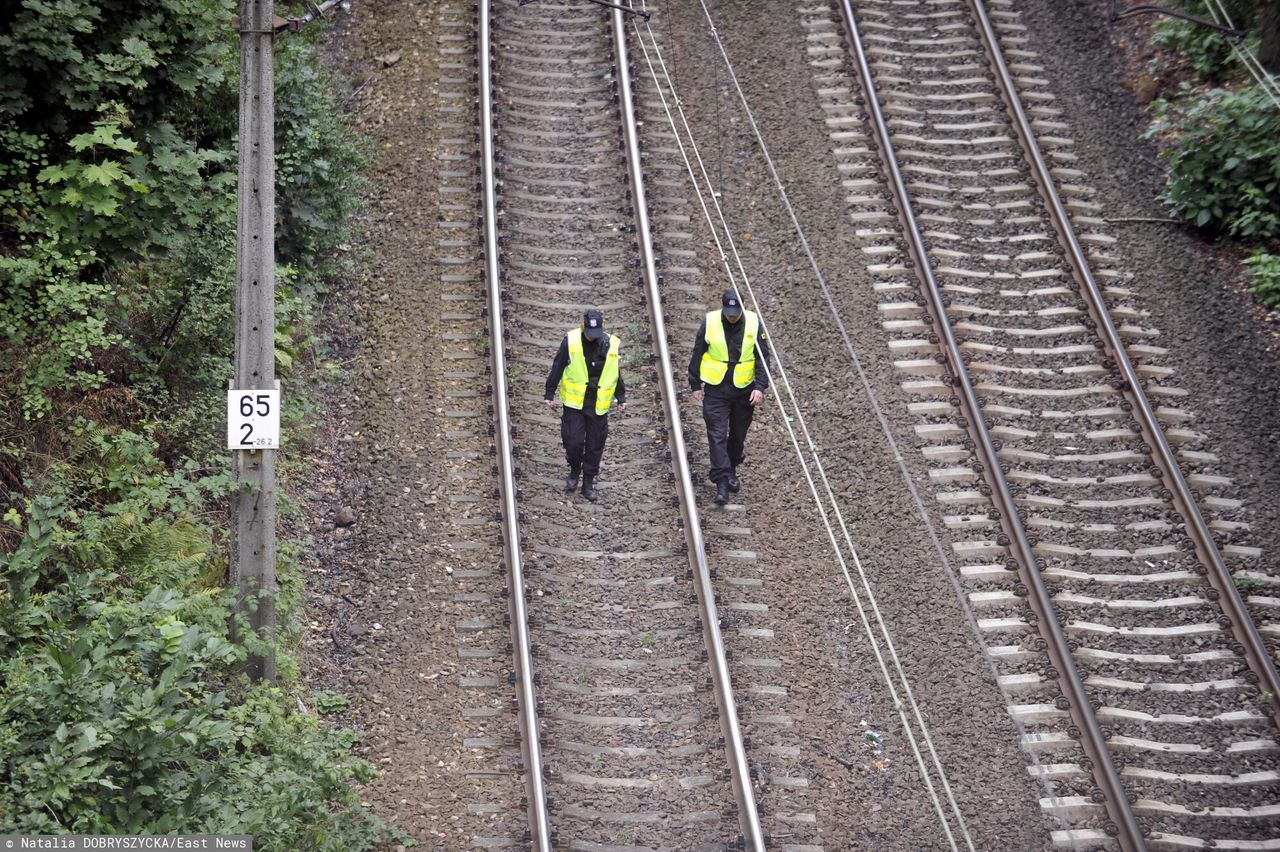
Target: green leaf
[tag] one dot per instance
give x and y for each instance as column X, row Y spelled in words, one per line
column 1225, row 149
column 53, row 174
column 136, row 47
column 106, row 173
column 102, row 206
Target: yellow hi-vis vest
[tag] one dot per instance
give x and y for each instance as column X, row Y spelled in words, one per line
column 715, row 361
column 573, row 382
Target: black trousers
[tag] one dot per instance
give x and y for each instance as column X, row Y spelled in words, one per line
column 583, row 433
column 728, row 418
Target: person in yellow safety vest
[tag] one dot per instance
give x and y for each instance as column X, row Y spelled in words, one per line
column 725, row 378
column 585, row 371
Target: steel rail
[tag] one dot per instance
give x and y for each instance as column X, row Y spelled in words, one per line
column 1248, row 641
column 539, row 836
column 1123, row 824
column 735, row 751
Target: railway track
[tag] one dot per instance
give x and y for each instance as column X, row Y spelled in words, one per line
column 624, row 739
column 1114, row 619
column 614, row 746
column 489, row 773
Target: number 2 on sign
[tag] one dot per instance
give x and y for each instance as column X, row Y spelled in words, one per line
column 253, row 419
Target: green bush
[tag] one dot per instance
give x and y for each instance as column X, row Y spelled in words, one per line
column 1264, row 277
column 119, row 122
column 327, row 701
column 318, row 163
column 1206, row 50
column 117, row 723
column 120, row 706
column 1224, row 162
column 60, row 60
column 121, row 712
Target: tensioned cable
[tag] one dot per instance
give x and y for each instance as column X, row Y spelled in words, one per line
column 799, row 453
column 825, row 516
column 1264, row 77
column 875, row 404
column 1246, row 56
column 871, row 393
column 821, row 472
column 830, row 491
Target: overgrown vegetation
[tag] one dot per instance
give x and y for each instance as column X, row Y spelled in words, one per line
column 1204, row 49
column 1224, row 164
column 121, row 709
column 1264, row 277
column 1220, row 132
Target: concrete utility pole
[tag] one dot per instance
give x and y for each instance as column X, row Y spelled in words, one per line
column 253, row 543
column 1269, row 34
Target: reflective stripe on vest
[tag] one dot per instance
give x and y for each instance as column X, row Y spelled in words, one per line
column 573, row 382
column 715, row 361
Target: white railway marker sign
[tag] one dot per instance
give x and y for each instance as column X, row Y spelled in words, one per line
column 253, row 419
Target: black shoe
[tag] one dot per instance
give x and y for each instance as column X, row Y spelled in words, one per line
column 733, row 482
column 722, row 493
column 589, row 490
column 571, row 481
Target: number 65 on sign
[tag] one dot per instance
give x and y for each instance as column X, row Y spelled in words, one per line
column 253, row 419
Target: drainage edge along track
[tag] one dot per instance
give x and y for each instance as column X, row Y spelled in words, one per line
column 1123, row 823
column 735, row 750
column 539, row 834
column 540, row 831
column 1253, row 647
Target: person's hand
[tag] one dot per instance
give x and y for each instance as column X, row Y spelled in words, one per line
column 757, row 396
column 622, row 406
column 548, row 402
column 697, row 396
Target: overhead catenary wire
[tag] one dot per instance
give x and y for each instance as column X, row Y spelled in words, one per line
column 821, row 473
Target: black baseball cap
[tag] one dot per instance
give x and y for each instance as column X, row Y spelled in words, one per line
column 593, row 325
column 731, row 304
